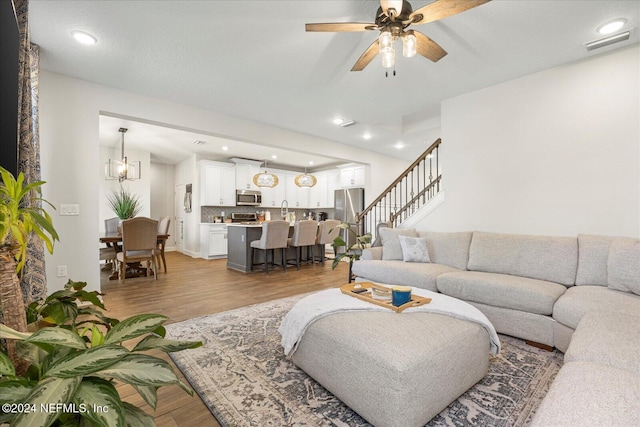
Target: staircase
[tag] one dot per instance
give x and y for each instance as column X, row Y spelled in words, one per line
column 413, row 189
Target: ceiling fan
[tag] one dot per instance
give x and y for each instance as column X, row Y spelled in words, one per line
column 392, row 19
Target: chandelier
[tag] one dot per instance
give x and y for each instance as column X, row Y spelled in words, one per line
column 265, row 179
column 122, row 170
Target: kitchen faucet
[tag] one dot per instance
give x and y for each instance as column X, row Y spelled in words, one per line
column 284, row 209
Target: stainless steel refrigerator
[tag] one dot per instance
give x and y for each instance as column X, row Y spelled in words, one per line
column 348, row 204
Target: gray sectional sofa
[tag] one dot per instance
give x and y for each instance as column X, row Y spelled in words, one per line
column 542, row 289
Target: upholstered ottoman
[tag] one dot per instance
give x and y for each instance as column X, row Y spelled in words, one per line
column 394, row 369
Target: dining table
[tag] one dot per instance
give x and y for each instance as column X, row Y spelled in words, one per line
column 115, row 240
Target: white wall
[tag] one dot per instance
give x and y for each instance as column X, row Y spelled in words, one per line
column 556, row 152
column 162, row 196
column 72, row 164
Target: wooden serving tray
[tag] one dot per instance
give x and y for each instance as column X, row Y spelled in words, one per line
column 349, row 289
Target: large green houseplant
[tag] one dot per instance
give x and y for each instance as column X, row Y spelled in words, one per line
column 21, row 214
column 124, row 204
column 75, row 364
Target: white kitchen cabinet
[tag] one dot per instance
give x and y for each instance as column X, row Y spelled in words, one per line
column 297, row 197
column 273, row 197
column 244, row 176
column 333, row 183
column 352, row 176
column 318, row 194
column 213, row 241
column 217, row 184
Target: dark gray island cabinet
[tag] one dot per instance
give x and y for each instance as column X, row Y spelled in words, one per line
column 239, row 238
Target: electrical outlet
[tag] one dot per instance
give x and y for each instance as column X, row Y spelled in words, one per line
column 62, row 271
column 69, row 209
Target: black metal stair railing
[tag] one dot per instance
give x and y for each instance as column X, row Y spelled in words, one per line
column 418, row 184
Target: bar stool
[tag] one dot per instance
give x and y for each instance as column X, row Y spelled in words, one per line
column 304, row 235
column 274, row 236
column 327, row 231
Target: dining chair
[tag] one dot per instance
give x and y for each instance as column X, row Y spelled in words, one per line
column 274, row 236
column 139, row 242
column 108, row 253
column 304, row 235
column 163, row 229
column 327, row 231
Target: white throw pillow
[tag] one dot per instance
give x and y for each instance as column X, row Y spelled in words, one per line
column 414, row 249
column 623, row 266
column 391, row 248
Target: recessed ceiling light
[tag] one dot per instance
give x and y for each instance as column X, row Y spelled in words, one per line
column 311, row 162
column 367, row 136
column 399, row 145
column 225, row 148
column 338, row 121
column 84, row 38
column 273, row 156
column 612, row 26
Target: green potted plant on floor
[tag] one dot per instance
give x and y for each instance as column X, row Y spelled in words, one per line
column 353, row 252
column 21, row 215
column 75, row 364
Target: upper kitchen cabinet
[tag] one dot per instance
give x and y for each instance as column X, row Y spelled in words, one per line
column 273, row 197
column 296, row 197
column 244, row 175
column 321, row 194
column 217, row 184
column 352, row 176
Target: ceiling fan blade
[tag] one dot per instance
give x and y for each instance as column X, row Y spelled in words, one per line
column 367, row 56
column 428, row 48
column 443, row 8
column 391, row 4
column 341, row 26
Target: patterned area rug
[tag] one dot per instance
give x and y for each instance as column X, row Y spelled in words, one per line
column 241, row 374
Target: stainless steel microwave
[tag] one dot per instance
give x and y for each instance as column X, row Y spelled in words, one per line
column 248, row 198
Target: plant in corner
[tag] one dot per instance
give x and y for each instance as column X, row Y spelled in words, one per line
column 353, row 252
column 21, row 215
column 124, row 204
column 75, row 364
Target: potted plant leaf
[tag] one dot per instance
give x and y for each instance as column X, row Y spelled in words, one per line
column 353, row 252
column 21, row 215
column 124, row 204
column 75, row 364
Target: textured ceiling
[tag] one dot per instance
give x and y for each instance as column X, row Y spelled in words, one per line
column 253, row 59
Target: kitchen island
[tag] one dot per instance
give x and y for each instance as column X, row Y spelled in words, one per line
column 240, row 235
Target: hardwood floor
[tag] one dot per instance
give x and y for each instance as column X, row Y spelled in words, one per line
column 196, row 287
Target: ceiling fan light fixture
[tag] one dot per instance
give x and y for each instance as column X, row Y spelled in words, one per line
column 388, row 57
column 409, row 44
column 385, row 40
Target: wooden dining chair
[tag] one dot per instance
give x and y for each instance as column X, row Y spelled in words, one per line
column 163, row 229
column 139, row 242
column 108, row 253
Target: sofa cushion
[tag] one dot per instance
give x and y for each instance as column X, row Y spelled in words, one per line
column 579, row 300
column 550, row 258
column 420, row 275
column 414, row 249
column 608, row 338
column 623, row 265
column 593, row 252
column 502, row 290
column 450, row 249
column 590, row 394
column 391, row 248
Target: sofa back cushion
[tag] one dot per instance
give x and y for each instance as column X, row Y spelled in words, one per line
column 391, row 248
column 550, row 258
column 593, row 253
column 624, row 265
column 450, row 249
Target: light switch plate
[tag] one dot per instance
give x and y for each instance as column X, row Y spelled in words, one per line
column 69, row 209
